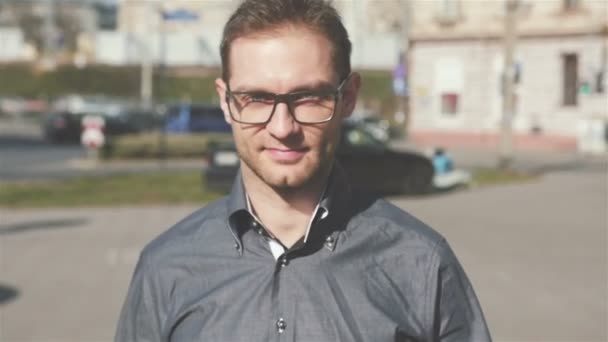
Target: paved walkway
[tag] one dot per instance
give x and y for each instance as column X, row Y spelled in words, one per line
column 536, row 254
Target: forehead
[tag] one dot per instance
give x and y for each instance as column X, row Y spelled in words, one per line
column 278, row 59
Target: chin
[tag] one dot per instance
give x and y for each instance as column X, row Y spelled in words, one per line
column 292, row 176
column 283, row 178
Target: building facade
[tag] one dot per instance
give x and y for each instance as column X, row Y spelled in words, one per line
column 560, row 62
column 372, row 24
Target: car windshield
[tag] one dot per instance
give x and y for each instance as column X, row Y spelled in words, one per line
column 355, row 136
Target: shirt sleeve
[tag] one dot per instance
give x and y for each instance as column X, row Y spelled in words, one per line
column 456, row 312
column 140, row 318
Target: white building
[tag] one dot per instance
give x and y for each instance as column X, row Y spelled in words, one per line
column 371, row 24
column 457, row 62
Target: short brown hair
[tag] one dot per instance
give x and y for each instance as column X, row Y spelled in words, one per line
column 260, row 15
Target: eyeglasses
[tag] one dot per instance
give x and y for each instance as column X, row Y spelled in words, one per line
column 306, row 107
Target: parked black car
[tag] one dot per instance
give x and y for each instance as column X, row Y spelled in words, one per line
column 62, row 127
column 66, row 126
column 369, row 163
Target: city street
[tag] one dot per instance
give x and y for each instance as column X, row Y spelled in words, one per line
column 535, row 252
column 26, row 156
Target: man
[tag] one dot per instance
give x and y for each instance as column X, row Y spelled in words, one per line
column 292, row 254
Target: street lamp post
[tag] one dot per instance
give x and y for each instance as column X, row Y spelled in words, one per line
column 179, row 15
column 505, row 157
column 147, row 67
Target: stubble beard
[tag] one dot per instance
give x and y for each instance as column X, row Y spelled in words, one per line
column 316, row 173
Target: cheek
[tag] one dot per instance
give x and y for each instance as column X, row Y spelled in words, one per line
column 248, row 143
column 242, row 142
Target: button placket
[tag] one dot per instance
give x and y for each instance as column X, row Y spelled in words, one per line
column 281, row 325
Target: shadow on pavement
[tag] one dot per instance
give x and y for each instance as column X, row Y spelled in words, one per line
column 41, row 225
column 7, row 293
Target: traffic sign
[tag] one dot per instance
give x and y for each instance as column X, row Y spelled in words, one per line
column 92, row 135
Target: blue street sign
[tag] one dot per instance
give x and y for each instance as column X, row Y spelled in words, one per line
column 400, row 80
column 179, row 14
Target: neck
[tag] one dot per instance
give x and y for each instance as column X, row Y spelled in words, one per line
column 285, row 212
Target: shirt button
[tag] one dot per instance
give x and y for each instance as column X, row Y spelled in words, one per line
column 237, row 246
column 281, row 325
column 284, row 261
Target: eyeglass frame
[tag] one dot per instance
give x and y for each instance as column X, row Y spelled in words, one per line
column 287, row 98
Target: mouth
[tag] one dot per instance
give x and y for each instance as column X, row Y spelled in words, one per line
column 284, row 155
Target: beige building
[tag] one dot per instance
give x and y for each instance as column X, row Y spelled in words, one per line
column 372, row 25
column 457, row 64
column 142, row 32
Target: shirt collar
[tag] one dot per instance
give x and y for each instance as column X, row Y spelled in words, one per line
column 334, row 199
column 320, row 211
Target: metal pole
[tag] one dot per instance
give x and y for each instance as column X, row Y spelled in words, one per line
column 146, row 62
column 48, row 59
column 161, row 82
column 505, row 158
column 406, row 45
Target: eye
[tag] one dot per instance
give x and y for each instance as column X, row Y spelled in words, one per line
column 259, row 98
column 311, row 98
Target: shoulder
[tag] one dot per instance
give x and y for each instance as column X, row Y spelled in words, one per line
column 398, row 225
column 202, row 227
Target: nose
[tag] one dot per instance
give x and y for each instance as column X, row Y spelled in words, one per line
column 282, row 124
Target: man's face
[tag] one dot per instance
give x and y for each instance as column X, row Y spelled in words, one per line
column 284, row 153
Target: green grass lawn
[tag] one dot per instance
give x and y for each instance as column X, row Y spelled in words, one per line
column 483, row 177
column 160, row 187
column 168, row 187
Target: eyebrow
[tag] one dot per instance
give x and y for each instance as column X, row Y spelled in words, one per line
column 313, row 86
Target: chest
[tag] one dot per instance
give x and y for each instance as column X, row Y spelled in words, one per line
column 300, row 299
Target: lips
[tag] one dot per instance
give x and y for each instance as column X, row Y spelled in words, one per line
column 286, row 155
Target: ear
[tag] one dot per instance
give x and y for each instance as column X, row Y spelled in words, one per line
column 350, row 94
column 220, row 88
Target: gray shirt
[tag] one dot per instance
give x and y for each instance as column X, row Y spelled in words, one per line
column 367, row 272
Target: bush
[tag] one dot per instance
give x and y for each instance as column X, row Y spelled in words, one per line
column 124, row 81
column 151, row 145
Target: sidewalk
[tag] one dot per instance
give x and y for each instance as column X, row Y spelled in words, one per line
column 525, row 160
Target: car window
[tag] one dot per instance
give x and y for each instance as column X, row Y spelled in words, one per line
column 207, row 113
column 357, row 137
column 173, row 111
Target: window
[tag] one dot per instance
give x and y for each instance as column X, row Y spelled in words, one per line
column 570, row 4
column 448, row 85
column 448, row 11
column 449, row 104
column 600, row 82
column 106, row 16
column 570, row 85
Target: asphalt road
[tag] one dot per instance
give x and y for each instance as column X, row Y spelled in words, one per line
column 535, row 252
column 25, row 155
column 27, row 159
